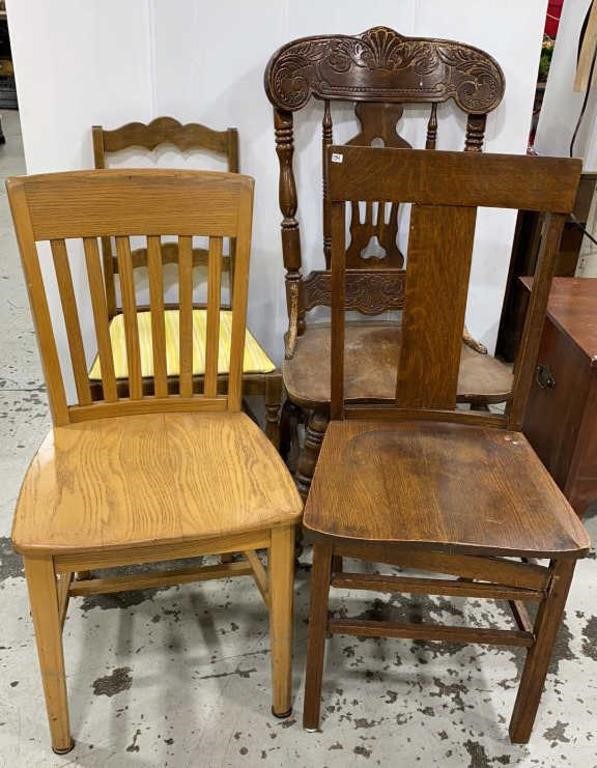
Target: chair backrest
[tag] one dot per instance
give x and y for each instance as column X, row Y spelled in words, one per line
column 445, row 189
column 87, row 205
column 380, row 71
column 160, row 132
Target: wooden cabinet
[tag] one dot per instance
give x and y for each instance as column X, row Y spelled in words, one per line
column 561, row 416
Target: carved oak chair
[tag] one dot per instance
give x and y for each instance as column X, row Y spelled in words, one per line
column 379, row 71
column 163, row 472
column 417, row 482
column 260, row 376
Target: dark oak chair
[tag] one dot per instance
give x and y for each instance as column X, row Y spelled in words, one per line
column 149, row 476
column 260, row 376
column 418, row 482
column 379, row 71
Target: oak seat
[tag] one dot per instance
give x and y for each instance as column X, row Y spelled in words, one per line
column 372, row 354
column 151, row 479
column 255, row 359
column 442, row 487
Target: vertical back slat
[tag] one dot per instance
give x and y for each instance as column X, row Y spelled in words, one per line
column 528, row 350
column 71, row 320
column 101, row 320
column 158, row 325
column 185, row 303
column 131, row 325
column 439, row 259
column 214, row 294
column 338, row 219
column 239, row 306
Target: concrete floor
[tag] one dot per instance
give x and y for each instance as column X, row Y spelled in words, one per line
column 180, row 677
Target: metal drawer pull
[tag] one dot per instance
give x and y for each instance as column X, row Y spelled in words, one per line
column 544, row 377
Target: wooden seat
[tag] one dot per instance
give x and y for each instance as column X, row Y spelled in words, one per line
column 372, row 353
column 378, row 72
column 174, row 477
column 418, row 482
column 261, row 378
column 142, row 474
column 405, row 483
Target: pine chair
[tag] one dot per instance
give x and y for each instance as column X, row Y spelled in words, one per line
column 379, row 73
column 260, row 376
column 417, row 482
column 165, row 472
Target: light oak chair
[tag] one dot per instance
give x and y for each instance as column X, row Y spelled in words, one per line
column 164, row 472
column 260, row 375
column 417, row 482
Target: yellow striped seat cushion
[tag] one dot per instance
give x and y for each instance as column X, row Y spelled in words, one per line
column 255, row 361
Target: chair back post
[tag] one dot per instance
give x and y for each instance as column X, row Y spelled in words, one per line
column 92, row 205
column 379, row 71
column 445, row 189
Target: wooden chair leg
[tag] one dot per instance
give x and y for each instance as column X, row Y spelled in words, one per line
column 281, row 595
column 289, row 418
column 547, row 624
column 318, row 619
column 43, row 599
column 316, row 427
column 273, row 401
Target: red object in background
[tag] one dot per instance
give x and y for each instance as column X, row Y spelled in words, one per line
column 554, row 10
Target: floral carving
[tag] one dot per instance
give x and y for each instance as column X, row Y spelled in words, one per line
column 370, row 292
column 384, row 65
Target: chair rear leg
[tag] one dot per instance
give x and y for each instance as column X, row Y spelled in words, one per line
column 43, row 599
column 281, row 599
column 547, row 624
column 318, row 619
column 273, row 401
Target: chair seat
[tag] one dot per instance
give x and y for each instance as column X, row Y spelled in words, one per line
column 371, row 354
column 440, row 486
column 255, row 358
column 150, row 479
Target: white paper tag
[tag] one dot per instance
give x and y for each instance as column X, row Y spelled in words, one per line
column 337, row 157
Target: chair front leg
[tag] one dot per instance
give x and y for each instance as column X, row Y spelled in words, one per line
column 318, row 620
column 281, row 600
column 44, row 602
column 315, row 432
column 547, row 624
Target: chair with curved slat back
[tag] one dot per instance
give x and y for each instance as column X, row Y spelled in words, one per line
column 417, row 482
column 146, row 473
column 380, row 71
column 260, row 375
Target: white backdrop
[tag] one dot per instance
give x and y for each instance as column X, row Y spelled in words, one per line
column 109, row 62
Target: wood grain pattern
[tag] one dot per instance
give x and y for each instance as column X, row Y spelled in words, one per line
column 407, row 482
column 113, row 202
column 100, row 318
column 159, row 466
column 71, row 320
column 517, row 181
column 129, row 307
column 435, row 302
